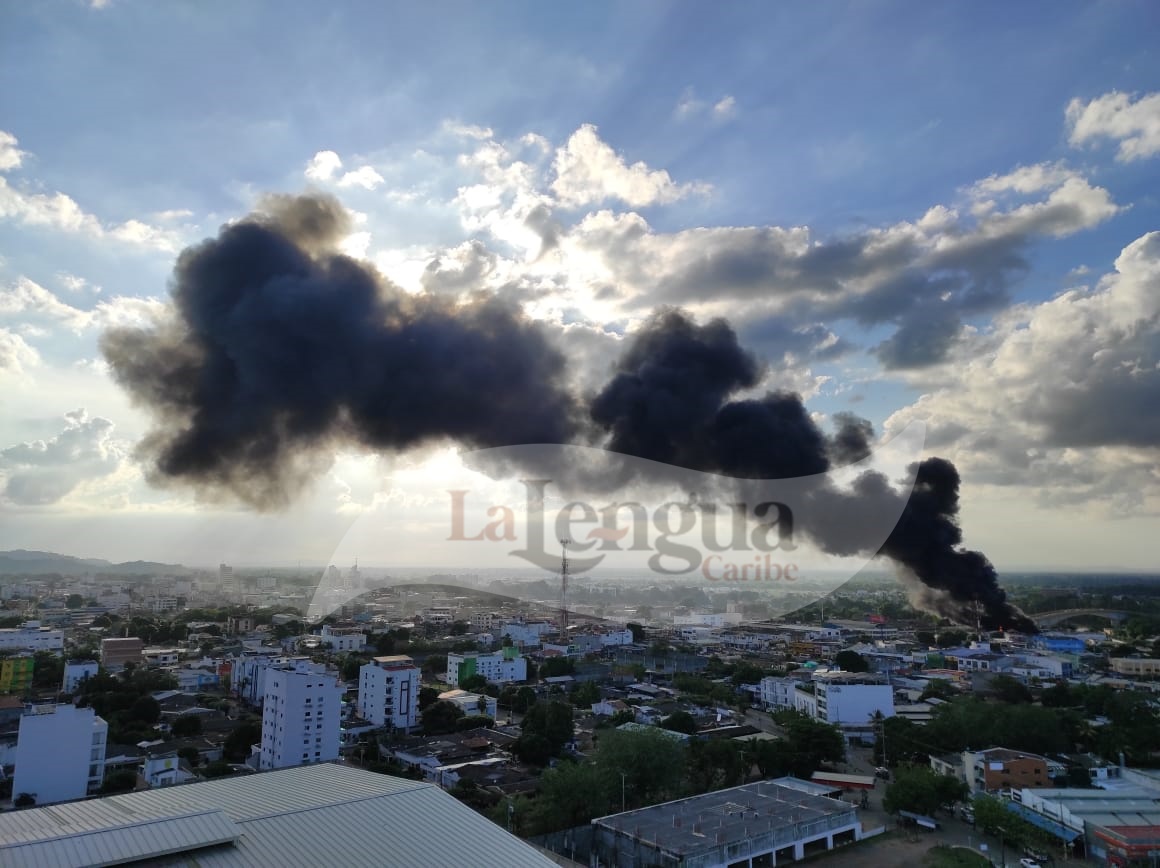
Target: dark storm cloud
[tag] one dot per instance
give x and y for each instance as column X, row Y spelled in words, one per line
column 281, row 346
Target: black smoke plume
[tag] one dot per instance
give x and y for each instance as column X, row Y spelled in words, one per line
column 670, row 400
column 280, row 346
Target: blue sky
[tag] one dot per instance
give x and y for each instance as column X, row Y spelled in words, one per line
column 849, row 124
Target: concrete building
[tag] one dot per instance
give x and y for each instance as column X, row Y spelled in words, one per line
column 998, row 768
column 115, row 653
column 300, row 718
column 388, row 692
column 848, row 698
column 60, row 753
column 1136, row 667
column 316, row 815
column 343, row 639
column 471, row 704
column 77, row 671
column 764, row 823
column 777, row 692
column 527, row 635
column 499, row 667
column 31, row 636
column 161, row 656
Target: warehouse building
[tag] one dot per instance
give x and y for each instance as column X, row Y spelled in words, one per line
column 758, row 825
column 311, row 815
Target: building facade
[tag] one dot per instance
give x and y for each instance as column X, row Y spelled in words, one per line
column 388, row 692
column 31, row 636
column 499, row 667
column 301, row 713
column 60, row 753
column 76, row 672
column 115, row 653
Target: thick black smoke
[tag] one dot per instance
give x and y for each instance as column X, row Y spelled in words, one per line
column 670, row 400
column 280, row 345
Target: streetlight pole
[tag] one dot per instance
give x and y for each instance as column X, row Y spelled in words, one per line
column 622, row 777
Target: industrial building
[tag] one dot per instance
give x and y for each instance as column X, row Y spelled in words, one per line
column 758, row 825
column 314, row 815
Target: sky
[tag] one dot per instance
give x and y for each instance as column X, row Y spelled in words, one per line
column 942, row 213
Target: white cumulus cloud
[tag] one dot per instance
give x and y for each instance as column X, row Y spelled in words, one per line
column 588, row 171
column 1135, row 124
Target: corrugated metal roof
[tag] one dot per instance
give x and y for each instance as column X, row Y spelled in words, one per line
column 125, row 843
column 311, row 815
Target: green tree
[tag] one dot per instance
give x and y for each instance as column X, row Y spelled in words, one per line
column 652, row 762
column 119, row 781
column 47, row 670
column 572, row 794
column 440, row 717
column 680, row 721
column 190, row 755
column 851, row 661
column 146, row 710
column 638, row 634
column 186, row 725
column 922, row 790
column 552, row 720
column 238, row 743
column 714, row 765
column 74, row 601
column 473, row 683
column 585, row 694
column 939, row 688
column 428, row 696
column 1007, row 689
column 554, row 667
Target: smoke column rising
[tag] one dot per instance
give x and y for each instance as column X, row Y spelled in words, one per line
column 280, row 348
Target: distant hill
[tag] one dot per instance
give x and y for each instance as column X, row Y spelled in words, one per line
column 22, row 562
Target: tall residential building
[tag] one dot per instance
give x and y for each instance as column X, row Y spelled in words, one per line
column 60, row 753
column 226, row 579
column 499, row 667
column 115, row 653
column 300, row 718
column 388, row 692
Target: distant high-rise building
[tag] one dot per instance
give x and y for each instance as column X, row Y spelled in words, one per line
column 60, row 753
column 388, row 692
column 226, row 579
column 300, row 718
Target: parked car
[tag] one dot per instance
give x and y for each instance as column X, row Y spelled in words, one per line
column 882, row 772
column 1028, row 862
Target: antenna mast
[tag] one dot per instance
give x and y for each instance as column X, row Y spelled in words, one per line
column 564, row 588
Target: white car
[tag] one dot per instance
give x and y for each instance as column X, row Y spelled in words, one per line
column 1028, row 862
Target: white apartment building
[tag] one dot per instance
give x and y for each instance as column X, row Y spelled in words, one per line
column 483, row 621
column 248, row 678
column 471, row 704
column 76, row 671
column 526, row 634
column 30, row 636
column 777, row 692
column 343, row 639
column 300, row 718
column 60, row 753
column 849, row 698
column 499, row 667
column 388, row 692
column 161, row 656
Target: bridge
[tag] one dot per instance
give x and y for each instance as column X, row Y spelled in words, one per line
column 1050, row 619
